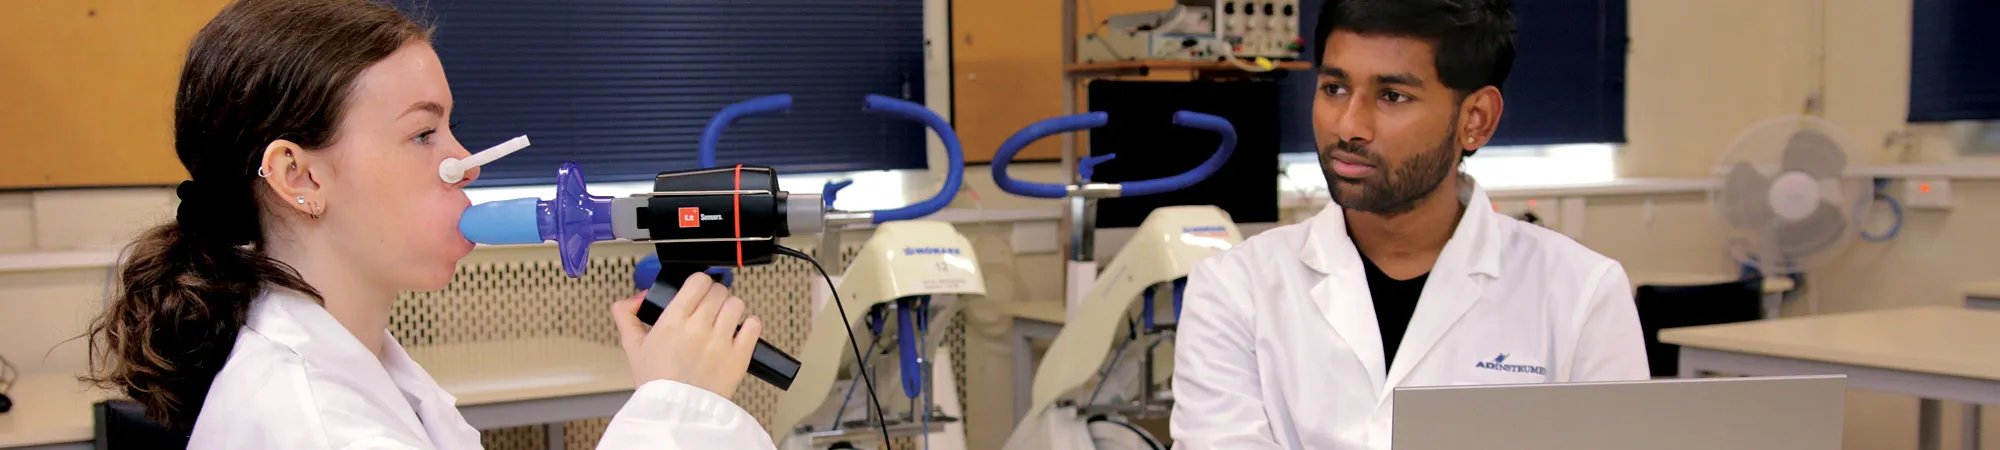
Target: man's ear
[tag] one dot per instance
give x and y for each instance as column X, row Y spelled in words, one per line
column 288, row 170
column 1479, row 116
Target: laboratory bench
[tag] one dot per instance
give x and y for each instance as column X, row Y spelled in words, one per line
column 529, row 381
column 1932, row 353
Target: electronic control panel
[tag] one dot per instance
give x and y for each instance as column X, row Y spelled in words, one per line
column 1258, row 28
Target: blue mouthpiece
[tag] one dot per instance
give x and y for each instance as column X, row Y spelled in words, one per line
column 573, row 219
column 502, row 222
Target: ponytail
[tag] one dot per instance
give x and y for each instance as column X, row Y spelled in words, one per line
column 179, row 304
column 260, row 71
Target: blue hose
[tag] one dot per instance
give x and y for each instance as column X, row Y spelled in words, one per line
column 1180, row 290
column 1215, row 161
column 906, row 345
column 955, row 156
column 1895, row 208
column 1146, row 306
column 712, row 134
column 1035, row 132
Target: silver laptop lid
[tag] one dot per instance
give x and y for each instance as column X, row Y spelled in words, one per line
column 1769, row 413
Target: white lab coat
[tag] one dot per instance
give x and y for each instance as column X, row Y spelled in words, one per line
column 1278, row 347
column 297, row 380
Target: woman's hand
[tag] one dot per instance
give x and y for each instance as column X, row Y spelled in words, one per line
column 695, row 340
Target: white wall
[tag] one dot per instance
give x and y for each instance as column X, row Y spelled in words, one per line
column 1701, row 70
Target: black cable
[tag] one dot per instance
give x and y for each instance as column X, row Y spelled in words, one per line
column 859, row 359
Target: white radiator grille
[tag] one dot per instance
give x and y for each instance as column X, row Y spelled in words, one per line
column 516, row 299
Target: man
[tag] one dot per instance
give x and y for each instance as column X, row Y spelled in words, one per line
column 1296, row 338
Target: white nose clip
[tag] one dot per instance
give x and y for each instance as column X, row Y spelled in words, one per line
column 452, row 170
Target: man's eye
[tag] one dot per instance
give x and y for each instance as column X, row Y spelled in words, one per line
column 1395, row 97
column 1333, row 89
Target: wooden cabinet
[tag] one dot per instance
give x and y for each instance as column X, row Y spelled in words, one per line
column 1007, row 65
column 1007, row 73
column 87, row 90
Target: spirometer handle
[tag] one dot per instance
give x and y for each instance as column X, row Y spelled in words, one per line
column 1199, row 121
column 1029, row 135
column 766, row 361
column 761, row 106
column 916, row 112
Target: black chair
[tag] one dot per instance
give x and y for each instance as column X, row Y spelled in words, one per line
column 1662, row 307
column 122, row 425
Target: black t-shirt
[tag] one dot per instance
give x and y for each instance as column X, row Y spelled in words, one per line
column 1395, row 303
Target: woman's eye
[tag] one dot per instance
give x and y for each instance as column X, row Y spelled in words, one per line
column 424, row 138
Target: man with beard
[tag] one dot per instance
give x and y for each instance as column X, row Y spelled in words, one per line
column 1296, row 338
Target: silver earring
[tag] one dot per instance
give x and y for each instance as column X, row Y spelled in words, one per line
column 263, row 172
column 302, row 199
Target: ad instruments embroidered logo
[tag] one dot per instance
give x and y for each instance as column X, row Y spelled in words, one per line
column 909, row 251
column 1500, row 363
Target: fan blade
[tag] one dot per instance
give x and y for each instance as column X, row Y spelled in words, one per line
column 1814, row 153
column 1745, row 198
column 1824, row 228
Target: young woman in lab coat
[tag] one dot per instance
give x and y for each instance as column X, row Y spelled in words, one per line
column 1297, row 338
column 312, row 131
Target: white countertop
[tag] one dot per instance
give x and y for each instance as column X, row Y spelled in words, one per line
column 1935, row 340
column 524, row 369
column 56, row 409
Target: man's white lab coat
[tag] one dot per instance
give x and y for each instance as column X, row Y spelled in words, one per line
column 1278, row 347
column 297, row 380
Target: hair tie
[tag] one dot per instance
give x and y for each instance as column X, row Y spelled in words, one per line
column 200, row 217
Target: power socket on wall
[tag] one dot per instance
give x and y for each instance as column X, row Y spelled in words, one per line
column 1540, row 211
column 1563, row 214
column 1926, row 193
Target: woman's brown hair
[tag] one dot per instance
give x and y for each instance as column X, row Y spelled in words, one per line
column 261, row 71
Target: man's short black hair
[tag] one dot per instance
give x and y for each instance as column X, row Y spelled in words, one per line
column 1473, row 39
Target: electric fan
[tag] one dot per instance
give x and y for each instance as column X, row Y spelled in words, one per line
column 1783, row 203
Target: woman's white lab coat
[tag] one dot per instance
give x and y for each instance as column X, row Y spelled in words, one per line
column 1278, row 347
column 297, row 380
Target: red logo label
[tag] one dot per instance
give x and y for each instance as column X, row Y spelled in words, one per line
column 690, row 217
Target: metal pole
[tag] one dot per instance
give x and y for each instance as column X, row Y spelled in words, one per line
column 1930, row 428
column 1069, row 218
column 1069, row 87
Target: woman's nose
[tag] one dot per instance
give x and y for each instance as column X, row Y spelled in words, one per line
column 460, row 152
column 470, row 175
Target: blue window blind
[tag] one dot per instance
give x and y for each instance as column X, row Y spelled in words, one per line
column 1567, row 85
column 625, row 87
column 1954, row 60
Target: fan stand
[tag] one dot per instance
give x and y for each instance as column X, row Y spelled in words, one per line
column 1775, row 287
column 1777, row 277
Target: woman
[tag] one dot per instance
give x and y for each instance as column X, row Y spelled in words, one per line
column 312, row 131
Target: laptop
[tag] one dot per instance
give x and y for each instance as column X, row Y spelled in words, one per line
column 1765, row 413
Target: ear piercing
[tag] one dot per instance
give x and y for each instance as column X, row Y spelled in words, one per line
column 317, row 208
column 263, row 172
